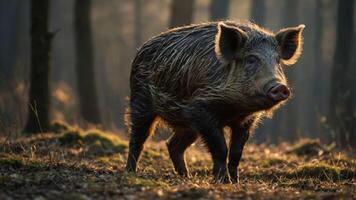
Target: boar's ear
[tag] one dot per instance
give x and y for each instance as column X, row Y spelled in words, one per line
column 228, row 40
column 290, row 41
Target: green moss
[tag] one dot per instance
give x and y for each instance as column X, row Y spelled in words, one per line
column 100, row 142
column 20, row 163
column 70, row 138
column 16, row 163
column 60, row 127
column 272, row 162
column 95, row 142
column 107, row 142
column 308, row 172
column 319, row 171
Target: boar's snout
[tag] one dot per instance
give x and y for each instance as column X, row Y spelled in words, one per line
column 278, row 92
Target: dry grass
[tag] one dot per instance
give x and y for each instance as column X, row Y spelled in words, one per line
column 74, row 164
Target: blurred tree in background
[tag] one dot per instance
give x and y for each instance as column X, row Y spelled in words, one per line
column 219, row 9
column 86, row 85
column 39, row 94
column 258, row 12
column 181, row 13
column 342, row 114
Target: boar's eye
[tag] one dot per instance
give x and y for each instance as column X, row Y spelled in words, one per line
column 252, row 60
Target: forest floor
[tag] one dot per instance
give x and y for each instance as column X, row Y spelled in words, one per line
column 70, row 163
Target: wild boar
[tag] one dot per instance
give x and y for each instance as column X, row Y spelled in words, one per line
column 201, row 78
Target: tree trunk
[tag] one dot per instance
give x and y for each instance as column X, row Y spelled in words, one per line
column 89, row 107
column 219, row 9
column 352, row 137
column 9, row 25
column 258, row 12
column 181, row 13
column 39, row 95
column 341, row 116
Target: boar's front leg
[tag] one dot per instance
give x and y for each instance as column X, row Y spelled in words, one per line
column 212, row 134
column 214, row 138
column 239, row 137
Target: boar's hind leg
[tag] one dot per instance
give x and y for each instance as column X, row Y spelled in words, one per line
column 239, row 136
column 177, row 145
column 142, row 118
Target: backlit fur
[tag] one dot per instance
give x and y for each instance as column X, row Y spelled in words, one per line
column 182, row 74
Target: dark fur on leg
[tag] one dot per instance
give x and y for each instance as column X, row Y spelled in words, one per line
column 177, row 145
column 212, row 134
column 239, row 136
column 141, row 122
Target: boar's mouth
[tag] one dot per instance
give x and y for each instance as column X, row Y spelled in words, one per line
column 259, row 102
column 266, row 104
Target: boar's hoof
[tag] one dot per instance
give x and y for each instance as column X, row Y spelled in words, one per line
column 130, row 167
column 235, row 179
column 234, row 175
column 182, row 170
column 223, row 179
column 221, row 176
column 184, row 173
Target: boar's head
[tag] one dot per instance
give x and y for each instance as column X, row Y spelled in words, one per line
column 257, row 58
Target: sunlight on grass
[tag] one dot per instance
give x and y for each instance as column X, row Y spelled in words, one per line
column 60, row 126
column 97, row 142
column 321, row 171
column 15, row 163
column 132, row 179
column 272, row 162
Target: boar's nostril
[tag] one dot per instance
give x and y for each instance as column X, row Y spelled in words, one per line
column 279, row 92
